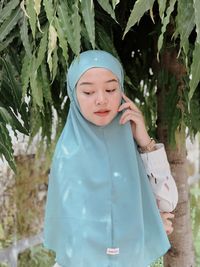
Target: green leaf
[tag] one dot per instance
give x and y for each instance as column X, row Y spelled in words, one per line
column 8, row 117
column 70, row 23
column 114, row 3
column 76, row 24
column 9, row 23
column 162, row 7
column 36, row 91
column 49, row 9
column 35, row 122
column 5, row 116
column 197, row 19
column 185, row 13
column 104, row 40
column 43, row 79
column 52, row 44
column 37, row 6
column 88, row 16
column 24, row 36
column 140, row 7
column 31, row 15
column 165, row 23
column 54, row 63
column 8, row 40
column 195, row 70
column 12, row 83
column 194, row 115
column 65, row 22
column 62, row 39
column 25, row 73
column 42, row 48
column 6, row 146
column 8, row 8
column 105, row 4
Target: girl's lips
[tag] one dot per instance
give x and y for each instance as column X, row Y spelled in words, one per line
column 102, row 113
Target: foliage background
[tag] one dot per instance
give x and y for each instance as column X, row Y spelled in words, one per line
column 38, row 40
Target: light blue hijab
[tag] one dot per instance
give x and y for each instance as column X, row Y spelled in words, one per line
column 99, row 197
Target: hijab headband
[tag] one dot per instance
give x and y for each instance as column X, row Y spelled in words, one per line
column 92, row 59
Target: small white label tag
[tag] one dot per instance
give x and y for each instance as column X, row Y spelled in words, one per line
column 112, row 251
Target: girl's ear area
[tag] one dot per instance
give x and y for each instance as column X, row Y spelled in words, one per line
column 122, row 99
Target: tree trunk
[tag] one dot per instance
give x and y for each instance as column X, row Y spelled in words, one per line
column 181, row 253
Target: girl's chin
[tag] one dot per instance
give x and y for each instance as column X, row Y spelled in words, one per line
column 103, row 121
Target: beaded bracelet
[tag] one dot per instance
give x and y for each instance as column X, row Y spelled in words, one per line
column 149, row 147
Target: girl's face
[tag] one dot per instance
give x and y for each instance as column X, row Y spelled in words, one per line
column 99, row 95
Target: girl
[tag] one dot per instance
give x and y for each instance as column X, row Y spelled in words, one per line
column 101, row 211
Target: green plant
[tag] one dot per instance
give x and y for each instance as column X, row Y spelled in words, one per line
column 36, row 257
column 40, row 38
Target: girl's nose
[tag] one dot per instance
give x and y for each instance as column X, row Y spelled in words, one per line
column 101, row 99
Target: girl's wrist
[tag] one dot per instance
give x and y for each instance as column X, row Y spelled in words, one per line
column 148, row 147
column 144, row 140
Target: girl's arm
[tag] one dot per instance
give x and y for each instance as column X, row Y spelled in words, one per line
column 153, row 156
column 163, row 184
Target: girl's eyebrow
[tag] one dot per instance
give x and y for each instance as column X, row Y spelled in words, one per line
column 90, row 83
column 112, row 80
column 85, row 83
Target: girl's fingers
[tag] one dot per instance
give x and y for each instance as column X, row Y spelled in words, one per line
column 128, row 100
column 130, row 106
column 129, row 115
column 167, row 215
column 169, row 231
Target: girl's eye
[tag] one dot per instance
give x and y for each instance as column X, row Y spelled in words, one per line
column 88, row 92
column 111, row 90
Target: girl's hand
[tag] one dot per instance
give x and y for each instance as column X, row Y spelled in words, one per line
column 166, row 216
column 134, row 115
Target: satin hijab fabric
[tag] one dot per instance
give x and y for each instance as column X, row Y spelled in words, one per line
column 100, row 209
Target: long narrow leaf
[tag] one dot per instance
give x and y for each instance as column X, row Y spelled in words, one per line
column 9, row 23
column 25, row 74
column 32, row 16
column 114, row 3
column 54, row 63
column 42, row 48
column 37, row 6
column 8, row 117
column 88, row 16
column 25, row 37
column 104, row 40
column 62, row 39
column 185, row 13
column 68, row 26
column 51, row 46
column 49, row 9
column 8, row 40
column 44, row 79
column 195, row 70
column 36, row 91
column 140, row 7
column 105, row 4
column 6, row 146
column 6, row 11
column 162, row 7
column 12, row 82
column 65, row 22
column 165, row 22
column 197, row 18
column 76, row 24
